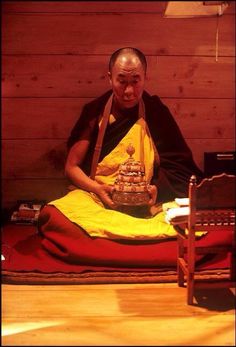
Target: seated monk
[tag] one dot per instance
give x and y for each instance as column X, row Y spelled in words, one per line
column 124, row 115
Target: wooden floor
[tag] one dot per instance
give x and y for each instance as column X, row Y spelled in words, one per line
column 116, row 315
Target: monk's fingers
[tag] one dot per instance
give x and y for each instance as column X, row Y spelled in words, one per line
column 153, row 194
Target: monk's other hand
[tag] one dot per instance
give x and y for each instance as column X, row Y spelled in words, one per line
column 104, row 191
column 152, row 190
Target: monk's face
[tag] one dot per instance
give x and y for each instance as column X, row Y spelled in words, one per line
column 127, row 80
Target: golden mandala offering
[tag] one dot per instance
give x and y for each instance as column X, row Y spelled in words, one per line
column 130, row 187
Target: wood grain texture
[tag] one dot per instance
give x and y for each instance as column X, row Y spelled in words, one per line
column 33, row 159
column 85, row 76
column 116, row 315
column 91, row 7
column 204, row 118
column 45, row 117
column 188, row 37
column 84, row 6
column 31, row 189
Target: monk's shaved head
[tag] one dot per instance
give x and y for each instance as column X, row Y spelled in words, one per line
column 128, row 55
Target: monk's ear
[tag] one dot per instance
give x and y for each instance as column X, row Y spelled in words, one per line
column 109, row 77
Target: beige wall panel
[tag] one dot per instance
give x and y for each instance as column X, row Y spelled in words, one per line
column 80, row 76
column 36, row 118
column 84, row 6
column 94, row 34
column 28, row 189
column 46, row 158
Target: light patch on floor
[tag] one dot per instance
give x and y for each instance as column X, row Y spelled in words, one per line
column 16, row 328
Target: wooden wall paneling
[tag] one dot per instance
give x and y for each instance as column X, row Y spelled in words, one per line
column 84, row 6
column 30, row 189
column 91, row 6
column 53, row 118
column 38, row 34
column 192, row 77
column 85, row 76
column 204, row 118
column 40, row 118
column 33, row 159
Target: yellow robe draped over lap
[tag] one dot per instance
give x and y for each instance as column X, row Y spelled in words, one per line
column 87, row 210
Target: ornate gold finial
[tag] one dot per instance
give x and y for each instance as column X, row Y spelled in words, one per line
column 130, row 150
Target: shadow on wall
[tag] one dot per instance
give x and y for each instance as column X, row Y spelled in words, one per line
column 56, row 157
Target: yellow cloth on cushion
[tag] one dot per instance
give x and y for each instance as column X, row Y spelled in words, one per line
column 87, row 210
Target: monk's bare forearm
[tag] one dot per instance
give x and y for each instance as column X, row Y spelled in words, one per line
column 81, row 180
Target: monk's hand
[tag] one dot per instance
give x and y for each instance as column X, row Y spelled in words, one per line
column 104, row 191
column 152, row 190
